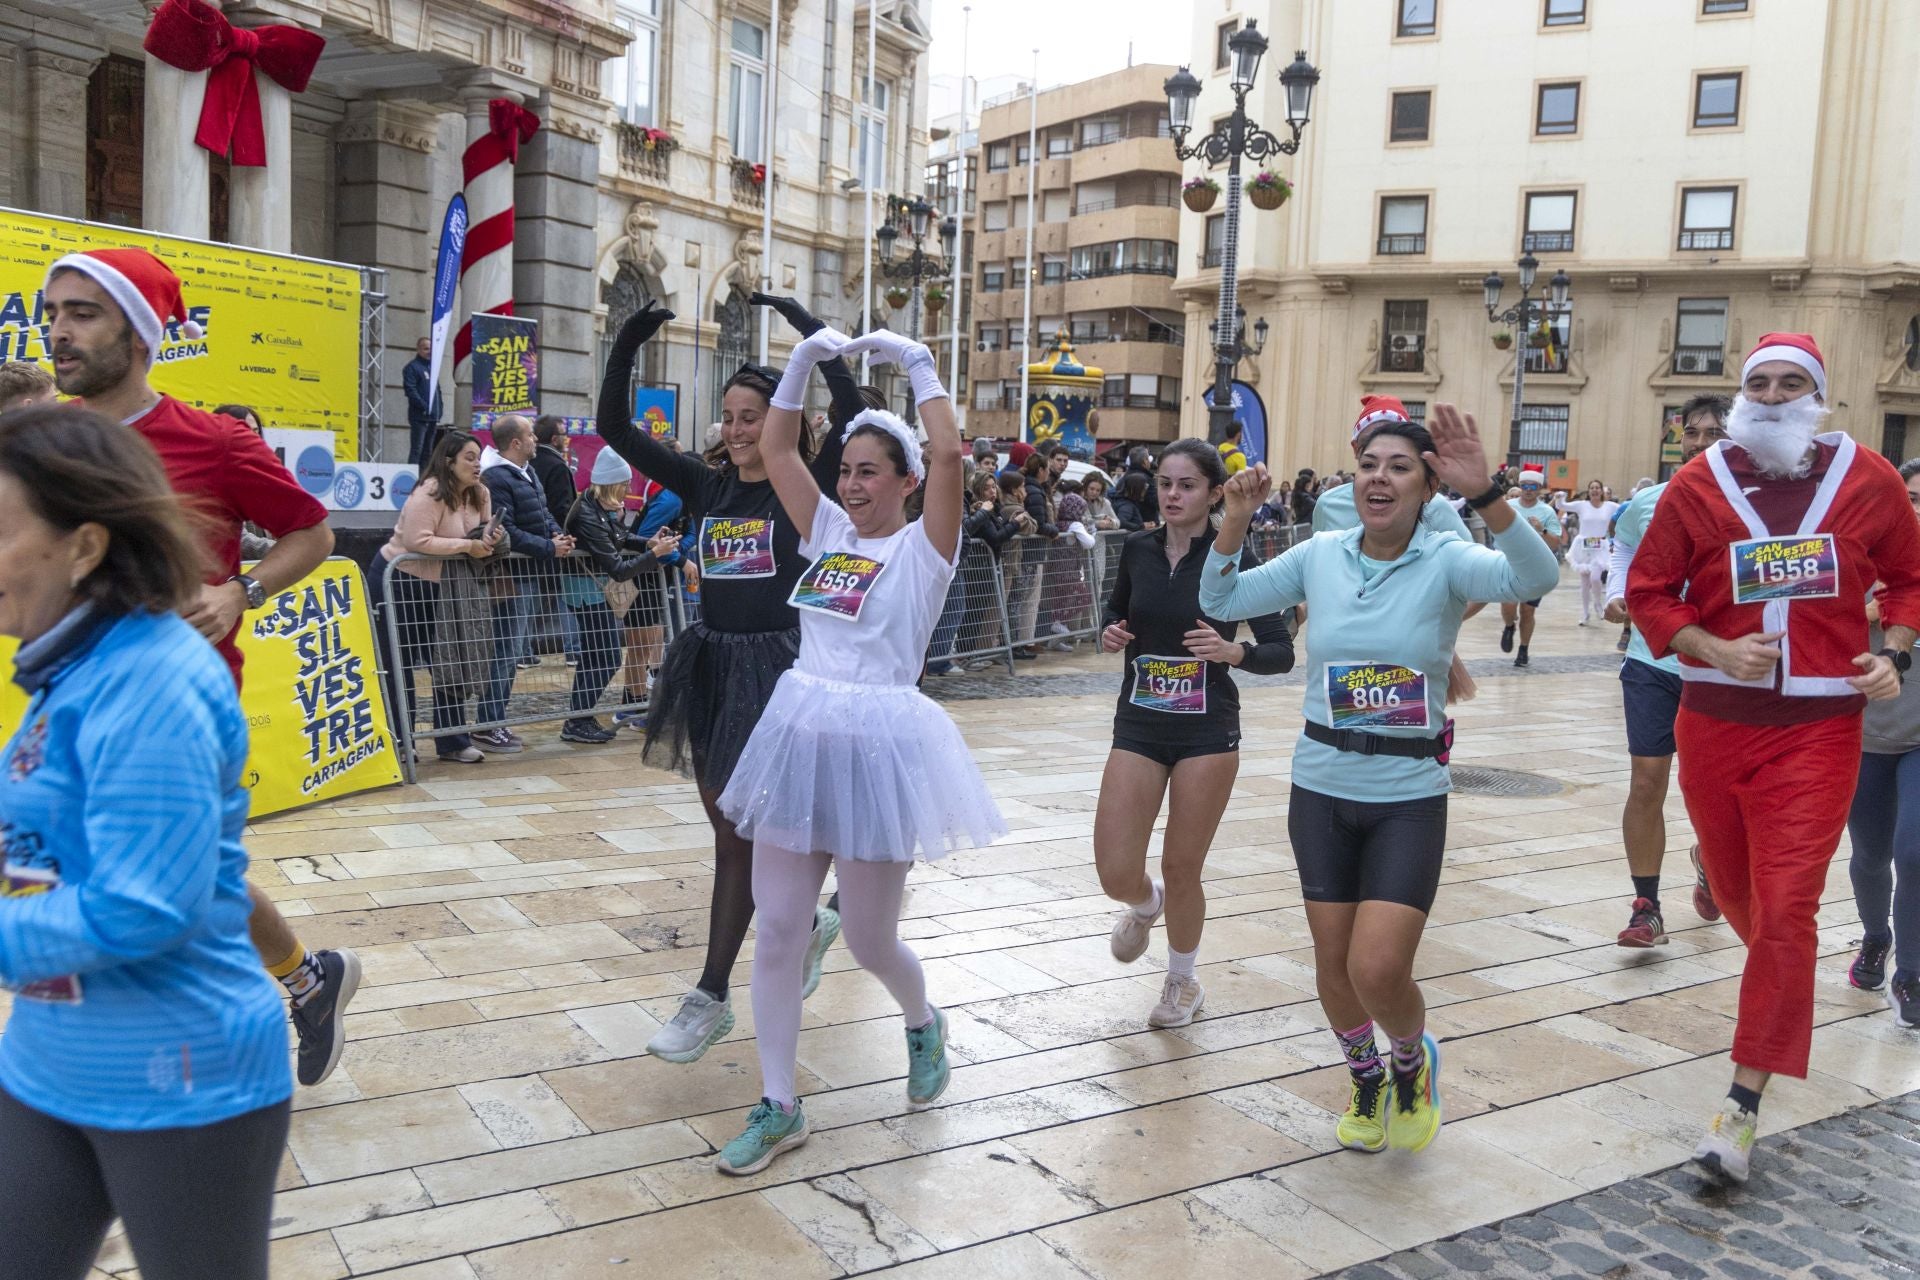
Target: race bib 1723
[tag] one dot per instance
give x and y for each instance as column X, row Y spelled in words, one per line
column 1174, row 685
column 1790, row 568
column 836, row 584
column 1376, row 695
column 736, row 548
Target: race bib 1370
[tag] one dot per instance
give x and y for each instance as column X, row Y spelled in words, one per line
column 1785, row 569
column 1177, row 686
column 1376, row 695
column 836, row 584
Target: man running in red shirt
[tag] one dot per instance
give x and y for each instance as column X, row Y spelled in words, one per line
column 107, row 313
column 1755, row 570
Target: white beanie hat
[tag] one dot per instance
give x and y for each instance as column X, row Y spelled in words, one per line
column 610, row 468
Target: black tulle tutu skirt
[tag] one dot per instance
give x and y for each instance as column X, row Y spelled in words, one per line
column 711, row 690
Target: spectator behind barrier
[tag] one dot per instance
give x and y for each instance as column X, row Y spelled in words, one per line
column 551, row 625
column 24, row 383
column 254, row 541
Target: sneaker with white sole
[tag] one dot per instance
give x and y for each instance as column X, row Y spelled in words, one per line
column 769, row 1131
column 1703, row 904
column 1131, row 930
column 702, row 1020
column 826, row 927
column 1180, row 999
column 1724, row 1153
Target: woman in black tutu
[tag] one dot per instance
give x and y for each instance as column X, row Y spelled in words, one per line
column 720, row 672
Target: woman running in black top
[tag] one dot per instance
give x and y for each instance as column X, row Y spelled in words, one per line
column 717, row 676
column 1178, row 721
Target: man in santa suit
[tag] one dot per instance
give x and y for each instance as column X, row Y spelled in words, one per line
column 107, row 312
column 1755, row 570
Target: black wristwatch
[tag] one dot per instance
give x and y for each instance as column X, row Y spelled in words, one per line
column 256, row 594
column 1902, row 660
column 1487, row 499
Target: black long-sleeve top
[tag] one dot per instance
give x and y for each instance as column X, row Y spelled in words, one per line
column 1128, row 513
column 1036, row 504
column 1160, row 604
column 727, row 604
column 990, row 527
column 601, row 536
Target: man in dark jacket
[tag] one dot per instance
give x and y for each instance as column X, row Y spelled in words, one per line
column 554, row 626
column 553, row 465
column 423, row 403
column 531, row 532
column 1141, row 461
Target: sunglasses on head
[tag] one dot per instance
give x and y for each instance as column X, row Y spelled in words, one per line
column 763, row 373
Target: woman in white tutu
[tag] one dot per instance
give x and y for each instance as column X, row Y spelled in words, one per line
column 850, row 766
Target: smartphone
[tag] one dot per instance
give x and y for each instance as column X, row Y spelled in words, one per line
column 493, row 525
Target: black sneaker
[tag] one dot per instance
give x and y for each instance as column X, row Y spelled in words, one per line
column 1506, row 638
column 1521, row 659
column 585, row 729
column 1869, row 968
column 1903, row 997
column 319, row 1021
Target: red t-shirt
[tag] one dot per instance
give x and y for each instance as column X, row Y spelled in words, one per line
column 228, row 475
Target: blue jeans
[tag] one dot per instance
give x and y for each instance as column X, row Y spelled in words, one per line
column 599, row 655
column 941, row 650
column 420, row 438
column 510, row 619
column 1884, row 825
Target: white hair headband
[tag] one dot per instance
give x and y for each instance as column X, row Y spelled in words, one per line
column 892, row 424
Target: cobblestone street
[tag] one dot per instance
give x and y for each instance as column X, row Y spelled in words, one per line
column 526, row 925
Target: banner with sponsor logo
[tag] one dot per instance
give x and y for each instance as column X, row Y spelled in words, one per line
column 506, row 364
column 446, row 277
column 1250, row 411
column 282, row 333
column 315, row 707
column 341, row 486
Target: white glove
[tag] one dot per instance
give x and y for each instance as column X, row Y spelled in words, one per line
column 821, row 344
column 885, row 347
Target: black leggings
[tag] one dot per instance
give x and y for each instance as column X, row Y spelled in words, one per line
column 196, row 1202
column 1353, row 851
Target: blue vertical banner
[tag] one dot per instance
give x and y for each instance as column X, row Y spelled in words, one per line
column 446, row 275
column 1251, row 412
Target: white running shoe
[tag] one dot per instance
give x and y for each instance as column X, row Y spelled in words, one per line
column 1180, row 1000
column 1723, row 1153
column 701, row 1021
column 1131, row 930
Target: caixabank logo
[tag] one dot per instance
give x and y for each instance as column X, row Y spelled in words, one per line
column 285, row 341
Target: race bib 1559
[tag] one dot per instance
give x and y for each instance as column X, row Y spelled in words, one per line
column 736, row 548
column 1785, row 569
column 1174, row 685
column 1375, row 695
column 836, row 584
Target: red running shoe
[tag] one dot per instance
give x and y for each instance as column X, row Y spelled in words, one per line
column 1644, row 927
column 1703, row 904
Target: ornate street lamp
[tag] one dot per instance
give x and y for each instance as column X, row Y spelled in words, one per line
column 920, row 265
column 1521, row 317
column 1237, row 136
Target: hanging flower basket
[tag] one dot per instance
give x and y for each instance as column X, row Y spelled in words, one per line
column 936, row 299
column 1269, row 191
column 1539, row 338
column 1502, row 339
column 896, row 297
column 1200, row 193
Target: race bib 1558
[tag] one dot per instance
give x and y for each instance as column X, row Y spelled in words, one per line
column 1174, row 685
column 736, row 548
column 836, row 584
column 1375, row 695
column 1785, row 569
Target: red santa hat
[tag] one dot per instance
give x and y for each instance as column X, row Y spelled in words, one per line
column 1375, row 410
column 1534, row 477
column 1795, row 348
column 143, row 287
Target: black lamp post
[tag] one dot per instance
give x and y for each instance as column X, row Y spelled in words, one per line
column 1237, row 344
column 1237, row 136
column 919, row 265
column 1522, row 316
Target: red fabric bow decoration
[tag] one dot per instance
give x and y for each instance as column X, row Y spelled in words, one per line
column 194, row 36
column 512, row 124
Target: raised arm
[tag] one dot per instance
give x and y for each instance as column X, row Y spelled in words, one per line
column 946, row 499
column 793, row 482
column 682, row 473
column 843, row 389
column 1521, row 567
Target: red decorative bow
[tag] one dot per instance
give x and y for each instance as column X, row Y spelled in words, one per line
column 512, row 124
column 194, row 36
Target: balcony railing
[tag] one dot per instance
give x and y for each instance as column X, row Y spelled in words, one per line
column 1547, row 242
column 1699, row 362
column 1107, row 137
column 1140, row 269
column 1118, row 400
column 1403, row 244
column 1211, row 258
column 644, row 163
column 1717, row 238
column 1159, row 334
column 748, row 189
column 1126, row 202
column 1544, row 359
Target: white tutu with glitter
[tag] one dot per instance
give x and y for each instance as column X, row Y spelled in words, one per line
column 877, row 773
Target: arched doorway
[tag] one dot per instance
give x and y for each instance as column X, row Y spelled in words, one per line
column 734, row 345
column 631, row 289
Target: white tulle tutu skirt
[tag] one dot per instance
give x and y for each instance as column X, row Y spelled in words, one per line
column 877, row 773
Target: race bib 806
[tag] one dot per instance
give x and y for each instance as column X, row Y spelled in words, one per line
column 1791, row 568
column 1374, row 695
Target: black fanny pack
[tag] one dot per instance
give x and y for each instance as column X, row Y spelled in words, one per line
column 1373, row 744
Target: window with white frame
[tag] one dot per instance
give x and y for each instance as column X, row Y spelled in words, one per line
column 1706, row 217
column 873, row 134
column 631, row 81
column 994, row 216
column 746, row 87
column 1549, row 222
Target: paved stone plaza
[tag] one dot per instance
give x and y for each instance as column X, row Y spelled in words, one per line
column 527, row 923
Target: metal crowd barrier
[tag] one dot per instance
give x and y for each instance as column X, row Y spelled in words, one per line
column 453, row 647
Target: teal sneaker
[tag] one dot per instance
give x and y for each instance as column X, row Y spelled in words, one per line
column 769, row 1132
column 826, row 927
column 927, row 1068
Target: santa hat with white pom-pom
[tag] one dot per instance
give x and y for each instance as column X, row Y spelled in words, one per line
column 143, row 286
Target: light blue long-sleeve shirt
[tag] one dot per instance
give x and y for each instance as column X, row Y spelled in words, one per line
column 1403, row 612
column 140, row 1003
column 1628, row 528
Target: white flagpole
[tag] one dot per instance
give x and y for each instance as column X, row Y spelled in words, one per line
column 960, row 217
column 866, row 191
column 1033, row 180
column 772, row 117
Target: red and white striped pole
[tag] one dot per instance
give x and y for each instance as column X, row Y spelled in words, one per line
column 486, row 268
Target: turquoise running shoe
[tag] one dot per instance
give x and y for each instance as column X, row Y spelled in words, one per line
column 769, row 1132
column 826, row 927
column 1414, row 1117
column 927, row 1067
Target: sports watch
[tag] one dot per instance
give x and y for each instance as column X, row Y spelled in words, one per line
column 1902, row 660
column 256, row 594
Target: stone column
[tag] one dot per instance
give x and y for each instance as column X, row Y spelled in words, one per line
column 260, row 212
column 556, row 197
column 54, row 151
column 174, row 169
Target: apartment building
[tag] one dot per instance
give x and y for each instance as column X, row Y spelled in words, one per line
column 1704, row 171
column 1104, row 233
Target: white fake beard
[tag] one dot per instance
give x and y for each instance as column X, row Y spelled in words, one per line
column 1776, row 436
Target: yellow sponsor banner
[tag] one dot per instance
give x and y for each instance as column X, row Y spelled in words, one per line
column 316, row 710
column 282, row 333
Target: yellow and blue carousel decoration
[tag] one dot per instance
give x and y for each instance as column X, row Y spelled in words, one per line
column 1061, row 396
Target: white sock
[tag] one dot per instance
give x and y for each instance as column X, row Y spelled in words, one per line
column 1180, row 963
column 1151, row 907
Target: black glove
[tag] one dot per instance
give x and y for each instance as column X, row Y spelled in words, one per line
column 642, row 324
column 791, row 311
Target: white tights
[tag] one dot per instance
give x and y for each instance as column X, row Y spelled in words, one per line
column 786, row 889
column 1593, row 588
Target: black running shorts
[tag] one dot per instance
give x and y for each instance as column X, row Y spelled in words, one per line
column 1353, row 851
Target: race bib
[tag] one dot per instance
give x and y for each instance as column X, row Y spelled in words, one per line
column 1785, row 569
column 1592, row 544
column 736, row 548
column 1376, row 695
column 836, row 584
column 26, row 882
column 1177, row 686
